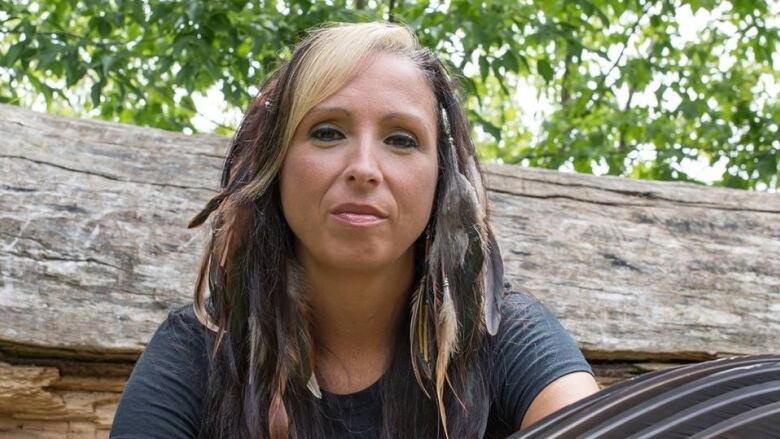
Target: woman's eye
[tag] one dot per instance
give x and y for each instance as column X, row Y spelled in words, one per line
column 327, row 134
column 402, row 141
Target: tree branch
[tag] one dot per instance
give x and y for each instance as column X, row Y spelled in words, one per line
column 390, row 7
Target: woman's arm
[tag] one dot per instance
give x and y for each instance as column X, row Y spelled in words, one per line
column 162, row 398
column 539, row 367
column 565, row 390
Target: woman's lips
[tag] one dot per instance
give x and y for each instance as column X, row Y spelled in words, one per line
column 358, row 219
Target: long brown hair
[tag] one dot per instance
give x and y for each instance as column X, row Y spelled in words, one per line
column 262, row 357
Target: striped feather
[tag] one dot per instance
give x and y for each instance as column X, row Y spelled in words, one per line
column 418, row 338
column 494, row 286
column 447, row 345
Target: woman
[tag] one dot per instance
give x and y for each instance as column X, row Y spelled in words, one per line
column 355, row 285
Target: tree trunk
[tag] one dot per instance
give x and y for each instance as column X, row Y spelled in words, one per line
column 95, row 252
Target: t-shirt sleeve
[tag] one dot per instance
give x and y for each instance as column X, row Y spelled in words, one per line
column 163, row 396
column 532, row 350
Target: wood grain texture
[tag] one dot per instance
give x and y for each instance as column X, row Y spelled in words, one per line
column 92, row 230
column 94, row 252
column 95, row 249
column 644, row 270
column 37, row 395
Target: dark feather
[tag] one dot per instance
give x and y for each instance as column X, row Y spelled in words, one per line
column 418, row 338
column 211, row 205
column 446, row 344
column 296, row 292
column 494, row 285
column 460, row 243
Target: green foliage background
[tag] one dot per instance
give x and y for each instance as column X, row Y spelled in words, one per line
column 615, row 77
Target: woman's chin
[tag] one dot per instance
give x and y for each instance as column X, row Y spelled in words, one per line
column 364, row 257
column 364, row 263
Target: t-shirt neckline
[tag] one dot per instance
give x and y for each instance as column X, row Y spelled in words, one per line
column 362, row 398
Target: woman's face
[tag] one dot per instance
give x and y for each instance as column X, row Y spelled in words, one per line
column 358, row 182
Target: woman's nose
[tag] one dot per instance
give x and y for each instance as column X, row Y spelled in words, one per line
column 362, row 164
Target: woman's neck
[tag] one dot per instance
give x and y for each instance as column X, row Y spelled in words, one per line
column 355, row 320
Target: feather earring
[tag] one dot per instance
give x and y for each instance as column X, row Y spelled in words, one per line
column 295, row 288
column 447, row 344
column 419, row 331
column 472, row 247
column 493, row 285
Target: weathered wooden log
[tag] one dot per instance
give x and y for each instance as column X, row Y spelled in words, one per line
column 94, row 252
column 645, row 270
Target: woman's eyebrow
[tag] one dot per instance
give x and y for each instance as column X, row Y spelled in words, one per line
column 330, row 110
column 407, row 116
column 395, row 115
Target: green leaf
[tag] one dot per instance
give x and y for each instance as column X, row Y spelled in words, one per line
column 639, row 73
column 104, row 27
column 768, row 165
column 484, row 67
column 489, row 127
column 13, row 53
column 194, row 10
column 45, row 56
column 544, row 68
column 105, row 64
column 95, row 91
column 509, row 59
column 722, row 109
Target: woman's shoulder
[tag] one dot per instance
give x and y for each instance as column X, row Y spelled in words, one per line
column 164, row 393
column 525, row 317
column 532, row 349
column 178, row 347
column 185, row 314
column 181, row 334
column 519, row 306
column 182, row 319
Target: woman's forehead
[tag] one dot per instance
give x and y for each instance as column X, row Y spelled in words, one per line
column 388, row 83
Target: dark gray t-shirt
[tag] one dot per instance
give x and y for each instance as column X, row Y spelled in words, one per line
column 164, row 396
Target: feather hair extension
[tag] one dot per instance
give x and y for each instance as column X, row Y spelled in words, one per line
column 493, row 277
column 418, row 337
column 256, row 346
column 428, row 328
column 493, row 285
column 296, row 291
column 468, row 222
column 314, row 386
column 473, row 175
column 278, row 420
column 447, row 345
column 290, row 353
column 199, row 306
column 203, row 215
column 231, row 248
column 234, row 227
column 307, row 363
